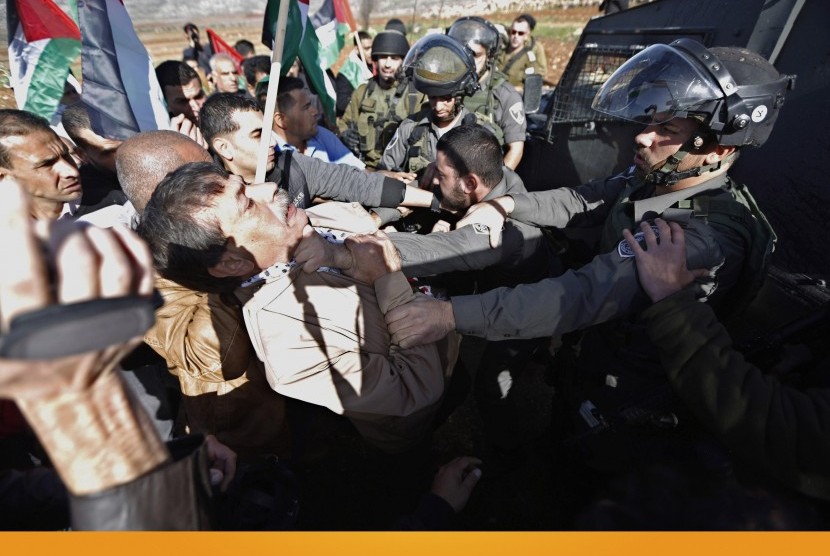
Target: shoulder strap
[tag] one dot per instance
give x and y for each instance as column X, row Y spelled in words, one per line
column 370, row 88
column 744, row 217
column 413, row 96
column 417, row 133
column 515, row 58
column 284, row 164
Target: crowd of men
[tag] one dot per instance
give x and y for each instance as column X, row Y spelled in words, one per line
column 337, row 294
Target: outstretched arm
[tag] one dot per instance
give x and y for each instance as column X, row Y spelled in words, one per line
column 95, row 434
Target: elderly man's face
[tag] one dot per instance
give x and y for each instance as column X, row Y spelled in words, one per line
column 187, row 99
column 43, row 165
column 225, row 77
column 259, row 221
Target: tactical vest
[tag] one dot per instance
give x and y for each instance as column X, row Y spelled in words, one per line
column 419, row 152
column 483, row 101
column 741, row 214
column 622, row 409
column 380, row 113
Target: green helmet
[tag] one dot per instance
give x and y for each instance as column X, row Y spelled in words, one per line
column 440, row 66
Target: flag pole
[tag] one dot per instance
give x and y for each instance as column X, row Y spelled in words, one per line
column 360, row 50
column 271, row 97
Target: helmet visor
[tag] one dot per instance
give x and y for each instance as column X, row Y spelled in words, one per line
column 469, row 32
column 655, row 86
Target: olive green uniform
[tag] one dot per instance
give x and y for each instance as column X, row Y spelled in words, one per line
column 528, row 60
column 376, row 113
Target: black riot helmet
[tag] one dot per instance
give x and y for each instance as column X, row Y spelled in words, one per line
column 735, row 93
column 441, row 66
column 476, row 30
column 389, row 43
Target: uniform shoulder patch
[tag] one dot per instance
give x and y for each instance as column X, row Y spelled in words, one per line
column 624, row 250
column 481, row 229
column 517, row 112
column 531, row 55
column 392, row 142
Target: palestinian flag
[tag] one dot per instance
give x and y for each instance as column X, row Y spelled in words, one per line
column 120, row 89
column 300, row 41
column 333, row 23
column 355, row 70
column 43, row 42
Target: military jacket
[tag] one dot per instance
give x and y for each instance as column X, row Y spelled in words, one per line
column 526, row 61
column 607, row 288
column 500, row 104
column 413, row 146
column 377, row 112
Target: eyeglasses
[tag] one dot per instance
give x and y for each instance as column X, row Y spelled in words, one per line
column 520, row 33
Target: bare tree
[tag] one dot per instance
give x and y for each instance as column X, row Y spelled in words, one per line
column 366, row 7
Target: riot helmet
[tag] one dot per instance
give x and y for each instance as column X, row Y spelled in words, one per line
column 389, row 43
column 440, row 66
column 476, row 30
column 735, row 93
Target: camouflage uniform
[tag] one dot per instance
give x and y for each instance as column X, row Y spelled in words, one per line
column 376, row 113
column 528, row 60
column 413, row 146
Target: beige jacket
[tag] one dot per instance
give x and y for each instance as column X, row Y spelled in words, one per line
column 324, row 340
column 225, row 392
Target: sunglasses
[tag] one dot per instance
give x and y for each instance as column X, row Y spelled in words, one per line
column 520, row 33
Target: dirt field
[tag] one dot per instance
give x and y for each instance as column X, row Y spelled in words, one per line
column 558, row 30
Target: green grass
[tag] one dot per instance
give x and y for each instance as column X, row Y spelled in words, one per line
column 559, row 32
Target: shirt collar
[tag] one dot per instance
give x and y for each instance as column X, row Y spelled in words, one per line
column 280, row 269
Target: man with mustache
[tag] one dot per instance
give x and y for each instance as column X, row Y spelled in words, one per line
column 321, row 334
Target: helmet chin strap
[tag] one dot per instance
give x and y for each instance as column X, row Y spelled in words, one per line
column 667, row 175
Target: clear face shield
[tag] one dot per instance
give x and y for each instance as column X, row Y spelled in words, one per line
column 655, row 86
column 469, row 32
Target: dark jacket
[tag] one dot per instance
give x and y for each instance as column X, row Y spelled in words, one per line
column 764, row 423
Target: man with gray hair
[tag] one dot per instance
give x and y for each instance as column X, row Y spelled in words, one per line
column 224, row 75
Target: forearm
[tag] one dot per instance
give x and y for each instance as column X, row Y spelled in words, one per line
column 514, row 154
column 440, row 252
column 96, row 436
column 417, row 197
column 587, row 204
column 602, row 290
